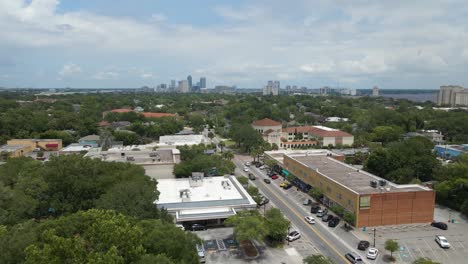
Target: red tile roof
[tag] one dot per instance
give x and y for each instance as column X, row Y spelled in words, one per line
column 266, row 122
column 156, row 115
column 317, row 131
column 299, row 142
column 121, row 110
column 103, row 123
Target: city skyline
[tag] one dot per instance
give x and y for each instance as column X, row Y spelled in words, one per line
column 392, row 44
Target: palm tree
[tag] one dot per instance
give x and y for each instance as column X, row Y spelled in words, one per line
column 221, row 144
column 228, row 155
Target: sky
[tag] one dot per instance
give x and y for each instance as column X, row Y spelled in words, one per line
column 417, row 44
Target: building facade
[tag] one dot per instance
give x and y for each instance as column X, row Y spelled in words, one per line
column 452, row 95
column 375, row 91
column 269, row 129
column 183, row 86
column 373, row 200
column 202, row 82
column 272, row 88
column 323, row 136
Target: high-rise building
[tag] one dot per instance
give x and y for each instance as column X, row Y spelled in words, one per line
column 189, row 80
column 452, row 95
column 172, row 86
column 183, row 87
column 272, row 88
column 202, row 82
column 375, row 91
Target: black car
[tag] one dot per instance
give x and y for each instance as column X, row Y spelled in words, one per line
column 252, row 177
column 327, row 218
column 363, row 245
column 288, row 186
column 198, row 227
column 334, row 222
column 315, row 209
column 264, row 201
column 267, row 181
column 440, row 225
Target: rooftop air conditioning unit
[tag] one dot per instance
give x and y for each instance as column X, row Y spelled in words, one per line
column 382, row 183
column 373, row 184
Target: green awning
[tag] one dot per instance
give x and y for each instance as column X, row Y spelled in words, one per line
column 285, row 172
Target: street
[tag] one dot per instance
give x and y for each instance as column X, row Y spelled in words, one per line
column 326, row 242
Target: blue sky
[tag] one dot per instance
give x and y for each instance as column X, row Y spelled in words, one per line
column 313, row 43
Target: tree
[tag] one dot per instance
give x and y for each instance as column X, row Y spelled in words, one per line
column 386, row 134
column 222, row 144
column 424, row 261
column 392, row 246
column 277, row 226
column 317, row 259
column 349, row 217
column 211, row 135
column 228, row 155
column 243, row 180
column 317, row 193
column 248, row 225
column 128, row 138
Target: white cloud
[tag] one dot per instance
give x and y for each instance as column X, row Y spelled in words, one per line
column 157, row 18
column 106, row 75
column 316, row 67
column 255, row 42
column 69, row 70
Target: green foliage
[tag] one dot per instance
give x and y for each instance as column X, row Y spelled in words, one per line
column 317, row 259
column 128, row 138
column 66, row 137
column 392, row 246
column 243, row 180
column 349, row 217
column 404, row 161
column 424, row 261
column 248, row 225
column 194, row 160
column 99, row 236
column 386, row 134
column 276, row 225
column 317, row 193
column 338, row 209
column 245, row 137
column 67, row 184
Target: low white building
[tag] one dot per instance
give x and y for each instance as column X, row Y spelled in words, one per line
column 201, row 198
column 181, row 140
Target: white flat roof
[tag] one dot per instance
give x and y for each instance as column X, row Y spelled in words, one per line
column 211, row 189
column 178, row 140
column 75, row 148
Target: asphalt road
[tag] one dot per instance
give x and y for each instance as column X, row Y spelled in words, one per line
column 326, row 242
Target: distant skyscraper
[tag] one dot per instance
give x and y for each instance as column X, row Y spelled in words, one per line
column 375, row 91
column 183, row 87
column 272, row 88
column 172, row 86
column 202, row 82
column 189, row 80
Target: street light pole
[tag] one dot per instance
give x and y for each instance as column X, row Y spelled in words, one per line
column 288, row 235
column 374, row 237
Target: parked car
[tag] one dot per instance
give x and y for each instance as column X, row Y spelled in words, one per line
column 274, row 177
column 283, row 184
column 246, row 169
column 327, row 218
column 315, row 209
column 334, row 222
column 288, row 186
column 262, row 167
column 363, row 245
column 264, row 201
column 320, row 213
column 252, row 177
column 294, row 235
column 307, row 201
column 267, row 181
column 353, row 257
column 201, row 253
column 197, row 227
column 372, row 253
column 310, row 219
column 442, row 241
column 440, row 225
column 247, row 164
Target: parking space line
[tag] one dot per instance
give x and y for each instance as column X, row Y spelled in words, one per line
column 409, row 251
column 461, row 244
column 432, row 250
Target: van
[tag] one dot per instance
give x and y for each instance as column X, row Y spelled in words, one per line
column 201, row 253
column 353, row 258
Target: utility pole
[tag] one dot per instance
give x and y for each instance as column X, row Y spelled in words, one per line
column 374, row 237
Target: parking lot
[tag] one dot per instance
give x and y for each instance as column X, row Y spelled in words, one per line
column 221, row 248
column 418, row 240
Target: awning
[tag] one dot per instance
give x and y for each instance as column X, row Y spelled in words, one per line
column 51, row 145
column 204, row 214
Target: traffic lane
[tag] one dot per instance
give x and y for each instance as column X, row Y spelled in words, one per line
column 302, row 226
column 338, row 247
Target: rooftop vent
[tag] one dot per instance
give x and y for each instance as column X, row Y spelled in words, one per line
column 373, row 184
column 382, row 183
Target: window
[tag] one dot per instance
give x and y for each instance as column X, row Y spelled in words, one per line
column 349, row 202
column 364, row 202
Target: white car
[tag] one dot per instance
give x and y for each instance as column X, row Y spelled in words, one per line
column 262, row 167
column 294, row 235
column 372, row 253
column 247, row 164
column 442, row 241
column 246, row 169
column 310, row 219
